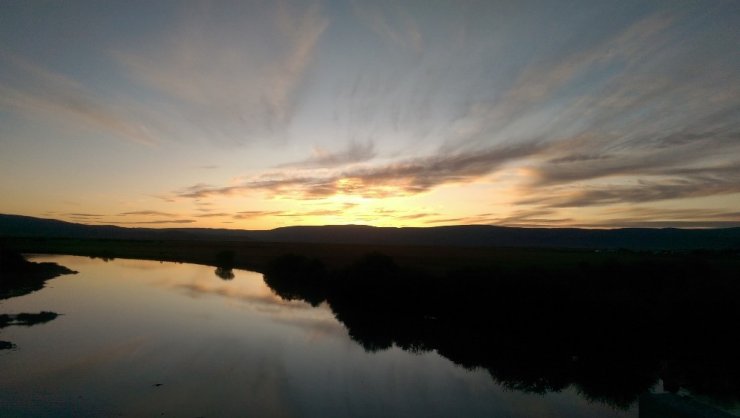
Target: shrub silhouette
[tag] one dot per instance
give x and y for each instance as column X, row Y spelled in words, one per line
column 225, row 264
column 610, row 329
column 295, row 277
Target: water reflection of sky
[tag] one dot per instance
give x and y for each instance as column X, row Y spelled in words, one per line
column 224, row 348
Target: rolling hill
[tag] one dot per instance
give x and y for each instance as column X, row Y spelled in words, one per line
column 463, row 235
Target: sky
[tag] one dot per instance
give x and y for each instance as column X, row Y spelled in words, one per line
column 261, row 114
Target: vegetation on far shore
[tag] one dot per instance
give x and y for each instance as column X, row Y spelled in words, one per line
column 435, row 260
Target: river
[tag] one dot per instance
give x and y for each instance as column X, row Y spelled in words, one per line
column 147, row 338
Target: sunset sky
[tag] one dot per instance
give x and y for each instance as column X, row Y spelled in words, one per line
column 390, row 113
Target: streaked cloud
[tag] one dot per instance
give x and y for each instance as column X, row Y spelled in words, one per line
column 391, row 22
column 233, row 71
column 354, row 153
column 638, row 192
column 408, row 176
column 251, row 214
column 414, row 112
column 148, row 213
column 645, row 155
column 416, row 216
column 641, row 216
column 40, row 94
column 162, row 221
column 212, row 215
column 519, row 217
column 318, row 212
column 648, row 217
column 459, row 221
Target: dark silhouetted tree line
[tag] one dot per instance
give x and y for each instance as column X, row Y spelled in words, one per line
column 610, row 329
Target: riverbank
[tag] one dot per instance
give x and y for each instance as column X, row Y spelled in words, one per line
column 19, row 276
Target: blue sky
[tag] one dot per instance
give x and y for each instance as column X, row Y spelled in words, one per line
column 262, row 114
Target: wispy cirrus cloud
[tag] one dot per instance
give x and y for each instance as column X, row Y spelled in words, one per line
column 540, row 101
column 230, row 73
column 641, row 216
column 354, row 153
column 317, row 212
column 662, row 167
column 407, row 176
column 675, row 223
column 633, row 115
column 460, row 221
column 391, row 22
column 161, row 221
column 519, row 217
column 648, row 177
column 413, row 216
column 251, row 214
column 148, row 213
column 41, row 94
column 212, row 215
column 621, row 92
column 640, row 191
column 233, row 72
column 84, row 215
column 648, row 154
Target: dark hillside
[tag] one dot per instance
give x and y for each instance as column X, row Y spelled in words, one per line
column 449, row 236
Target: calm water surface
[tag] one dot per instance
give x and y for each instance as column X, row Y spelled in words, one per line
column 144, row 338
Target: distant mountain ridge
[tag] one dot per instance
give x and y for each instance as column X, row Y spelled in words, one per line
column 462, row 235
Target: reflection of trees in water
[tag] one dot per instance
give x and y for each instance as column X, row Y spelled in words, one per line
column 224, row 261
column 105, row 256
column 611, row 330
column 24, row 320
column 296, row 277
column 19, row 276
column 224, row 273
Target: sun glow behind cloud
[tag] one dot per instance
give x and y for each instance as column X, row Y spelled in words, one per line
column 257, row 115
